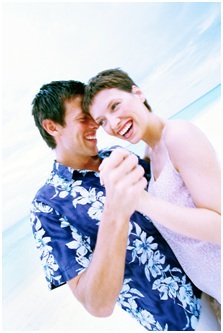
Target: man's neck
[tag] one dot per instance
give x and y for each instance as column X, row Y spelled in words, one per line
column 92, row 164
column 87, row 163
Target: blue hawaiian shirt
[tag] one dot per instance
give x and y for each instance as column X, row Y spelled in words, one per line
column 65, row 216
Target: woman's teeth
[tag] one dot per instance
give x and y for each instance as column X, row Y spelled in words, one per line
column 125, row 129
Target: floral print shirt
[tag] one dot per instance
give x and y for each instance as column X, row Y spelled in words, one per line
column 65, row 216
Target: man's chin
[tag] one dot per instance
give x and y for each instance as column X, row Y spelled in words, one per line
column 95, row 152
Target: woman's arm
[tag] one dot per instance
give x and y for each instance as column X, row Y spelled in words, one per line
column 194, row 158
column 198, row 223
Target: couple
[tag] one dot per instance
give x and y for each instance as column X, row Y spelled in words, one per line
column 102, row 246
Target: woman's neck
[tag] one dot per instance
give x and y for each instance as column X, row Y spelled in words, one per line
column 154, row 131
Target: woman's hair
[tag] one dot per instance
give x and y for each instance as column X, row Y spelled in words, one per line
column 110, row 78
column 49, row 103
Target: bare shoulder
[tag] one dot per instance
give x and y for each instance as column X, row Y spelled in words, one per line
column 177, row 129
column 185, row 140
column 185, row 133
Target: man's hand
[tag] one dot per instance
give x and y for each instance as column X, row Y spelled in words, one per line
column 124, row 180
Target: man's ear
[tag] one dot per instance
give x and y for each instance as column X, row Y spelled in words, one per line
column 50, row 126
column 138, row 92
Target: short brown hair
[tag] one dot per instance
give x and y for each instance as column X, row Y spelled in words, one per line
column 107, row 79
column 49, row 103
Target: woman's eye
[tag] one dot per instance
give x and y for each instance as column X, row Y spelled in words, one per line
column 101, row 122
column 114, row 106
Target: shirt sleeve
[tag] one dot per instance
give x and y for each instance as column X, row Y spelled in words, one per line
column 64, row 252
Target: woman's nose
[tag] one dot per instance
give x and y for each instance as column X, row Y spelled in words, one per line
column 114, row 122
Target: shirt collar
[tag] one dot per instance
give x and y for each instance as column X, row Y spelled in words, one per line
column 67, row 172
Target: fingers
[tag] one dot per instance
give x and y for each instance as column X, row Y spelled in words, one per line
column 127, row 165
column 135, row 175
column 124, row 181
column 116, row 157
column 134, row 179
column 119, row 164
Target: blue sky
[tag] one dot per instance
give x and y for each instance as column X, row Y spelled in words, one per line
column 171, row 50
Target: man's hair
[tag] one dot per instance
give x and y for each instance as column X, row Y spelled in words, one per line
column 49, row 103
column 107, row 79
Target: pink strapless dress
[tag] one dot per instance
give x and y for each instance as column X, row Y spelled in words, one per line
column 200, row 260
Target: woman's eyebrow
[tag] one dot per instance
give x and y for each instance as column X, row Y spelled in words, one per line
column 110, row 104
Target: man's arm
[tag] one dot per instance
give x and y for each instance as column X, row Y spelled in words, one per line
column 98, row 287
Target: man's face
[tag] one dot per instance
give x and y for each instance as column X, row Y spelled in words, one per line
column 78, row 135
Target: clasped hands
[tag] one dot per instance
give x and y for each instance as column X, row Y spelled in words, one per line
column 123, row 179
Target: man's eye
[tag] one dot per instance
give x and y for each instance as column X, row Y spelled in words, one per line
column 83, row 119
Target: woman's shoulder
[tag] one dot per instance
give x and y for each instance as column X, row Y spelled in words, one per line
column 179, row 130
column 183, row 139
column 176, row 126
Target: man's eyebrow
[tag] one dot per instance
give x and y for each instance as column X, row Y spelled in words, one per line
column 79, row 115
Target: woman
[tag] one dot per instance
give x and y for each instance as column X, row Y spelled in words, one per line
column 184, row 192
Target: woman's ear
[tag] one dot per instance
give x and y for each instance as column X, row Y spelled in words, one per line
column 138, row 92
column 50, row 126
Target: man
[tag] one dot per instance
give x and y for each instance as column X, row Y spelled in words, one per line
column 99, row 246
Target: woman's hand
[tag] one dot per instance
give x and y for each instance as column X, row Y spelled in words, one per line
column 123, row 179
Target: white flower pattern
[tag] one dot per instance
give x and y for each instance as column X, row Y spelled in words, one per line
column 68, row 199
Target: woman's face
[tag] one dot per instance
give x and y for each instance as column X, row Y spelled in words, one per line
column 120, row 113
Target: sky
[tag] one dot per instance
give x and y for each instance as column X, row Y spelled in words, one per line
column 171, row 50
